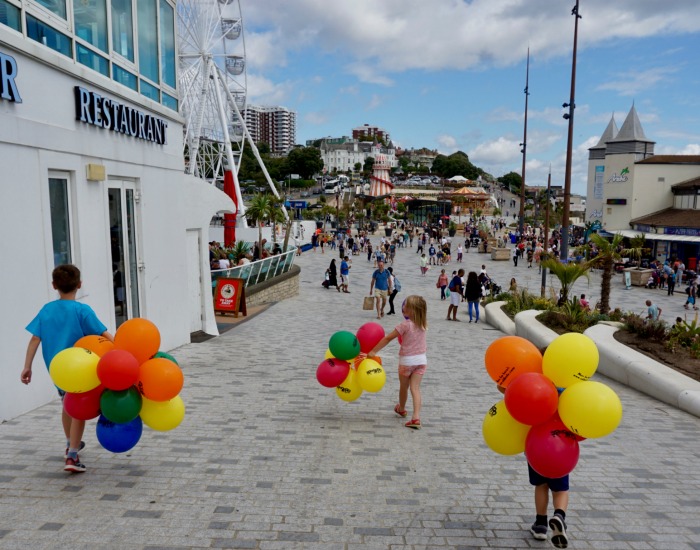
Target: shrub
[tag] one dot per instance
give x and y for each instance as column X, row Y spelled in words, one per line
column 686, row 335
column 644, row 328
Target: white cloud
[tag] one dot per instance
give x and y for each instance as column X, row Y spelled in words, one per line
column 632, row 83
column 399, row 35
column 496, row 152
column 448, row 144
column 689, row 149
column 374, row 102
column 264, row 91
column 316, row 118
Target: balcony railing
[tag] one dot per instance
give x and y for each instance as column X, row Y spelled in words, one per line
column 260, row 270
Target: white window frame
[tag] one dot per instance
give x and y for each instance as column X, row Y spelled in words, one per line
column 69, row 177
column 40, row 12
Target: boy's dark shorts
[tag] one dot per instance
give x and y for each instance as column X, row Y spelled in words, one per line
column 556, row 485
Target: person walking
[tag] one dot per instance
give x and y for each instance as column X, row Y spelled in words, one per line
column 671, row 282
column 472, row 293
column 423, row 265
column 345, row 275
column 515, row 256
column 456, row 290
column 442, row 283
column 382, row 284
column 396, row 287
column 413, row 360
column 332, row 273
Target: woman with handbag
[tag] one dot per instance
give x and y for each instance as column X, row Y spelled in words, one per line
column 332, row 276
column 396, row 287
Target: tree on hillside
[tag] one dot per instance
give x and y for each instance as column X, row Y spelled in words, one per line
column 305, row 161
column 368, row 166
column 512, row 180
column 456, row 164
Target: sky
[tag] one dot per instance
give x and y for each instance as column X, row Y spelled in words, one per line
column 450, row 74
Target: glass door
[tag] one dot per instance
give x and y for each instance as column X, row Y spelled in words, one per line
column 124, row 251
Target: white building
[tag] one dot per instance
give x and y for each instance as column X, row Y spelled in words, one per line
column 276, row 126
column 342, row 157
column 91, row 148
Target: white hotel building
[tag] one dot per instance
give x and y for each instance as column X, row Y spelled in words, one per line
column 91, row 147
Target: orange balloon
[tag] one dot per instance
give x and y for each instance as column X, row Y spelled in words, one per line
column 160, row 379
column 99, row 345
column 140, row 337
column 510, row 356
column 356, row 362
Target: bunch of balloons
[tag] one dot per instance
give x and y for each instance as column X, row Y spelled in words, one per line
column 346, row 367
column 126, row 384
column 549, row 404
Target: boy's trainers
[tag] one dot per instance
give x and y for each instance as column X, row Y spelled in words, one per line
column 558, row 526
column 74, row 465
column 82, row 446
column 539, row 532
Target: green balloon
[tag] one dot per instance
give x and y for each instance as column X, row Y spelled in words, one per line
column 166, row 356
column 121, row 407
column 344, row 345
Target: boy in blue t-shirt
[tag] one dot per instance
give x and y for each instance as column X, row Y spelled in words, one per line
column 59, row 325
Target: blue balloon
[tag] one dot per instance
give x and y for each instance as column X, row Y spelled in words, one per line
column 119, row 438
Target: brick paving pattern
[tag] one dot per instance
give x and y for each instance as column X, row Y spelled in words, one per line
column 266, row 458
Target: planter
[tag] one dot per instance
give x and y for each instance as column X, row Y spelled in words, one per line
column 639, row 277
column 452, row 232
column 388, row 231
column 500, row 254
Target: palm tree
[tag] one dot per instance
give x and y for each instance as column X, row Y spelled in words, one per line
column 636, row 249
column 567, row 274
column 608, row 254
column 260, row 210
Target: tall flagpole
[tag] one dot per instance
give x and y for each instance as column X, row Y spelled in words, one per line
column 570, row 145
column 521, row 223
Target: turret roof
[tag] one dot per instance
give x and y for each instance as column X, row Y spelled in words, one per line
column 609, row 134
column 631, row 129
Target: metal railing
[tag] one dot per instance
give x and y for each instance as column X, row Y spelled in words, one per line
column 260, row 270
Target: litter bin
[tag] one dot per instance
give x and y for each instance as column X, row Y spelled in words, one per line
column 692, row 263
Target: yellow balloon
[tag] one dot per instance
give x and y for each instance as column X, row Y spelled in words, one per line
column 328, row 355
column 371, row 376
column 569, row 359
column 163, row 416
column 590, row 409
column 74, row 370
column 350, row 389
column 502, row 433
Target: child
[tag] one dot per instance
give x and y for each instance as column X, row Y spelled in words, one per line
column 56, row 327
column 456, row 290
column 412, row 356
column 560, row 497
column 442, row 283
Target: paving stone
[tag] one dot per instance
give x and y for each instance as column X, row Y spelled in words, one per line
column 279, row 462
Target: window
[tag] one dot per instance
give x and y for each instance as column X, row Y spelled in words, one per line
column 10, row 15
column 123, row 29
column 148, row 40
column 54, row 6
column 150, row 91
column 169, row 101
column 48, row 36
column 91, row 22
column 91, row 59
column 167, row 43
column 124, row 77
column 60, row 220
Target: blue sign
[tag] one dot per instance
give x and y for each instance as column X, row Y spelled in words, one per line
column 685, row 231
column 295, row 204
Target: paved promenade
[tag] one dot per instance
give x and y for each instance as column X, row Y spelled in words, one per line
column 267, row 458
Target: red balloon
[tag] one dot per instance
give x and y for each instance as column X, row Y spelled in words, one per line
column 118, row 370
column 332, row 372
column 531, row 398
column 551, row 449
column 83, row 406
column 369, row 336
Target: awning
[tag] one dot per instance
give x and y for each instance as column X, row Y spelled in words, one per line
column 653, row 236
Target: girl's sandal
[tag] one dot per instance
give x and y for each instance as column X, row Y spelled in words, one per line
column 402, row 414
column 413, row 423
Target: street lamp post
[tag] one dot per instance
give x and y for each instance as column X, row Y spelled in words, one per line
column 521, row 223
column 569, row 147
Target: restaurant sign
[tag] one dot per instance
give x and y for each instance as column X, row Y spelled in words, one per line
column 8, row 73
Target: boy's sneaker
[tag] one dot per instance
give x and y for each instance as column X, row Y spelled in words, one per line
column 558, row 526
column 74, row 465
column 82, row 446
column 539, row 532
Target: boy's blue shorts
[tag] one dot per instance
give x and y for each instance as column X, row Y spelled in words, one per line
column 556, row 485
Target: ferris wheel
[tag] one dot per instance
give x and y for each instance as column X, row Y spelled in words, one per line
column 213, row 92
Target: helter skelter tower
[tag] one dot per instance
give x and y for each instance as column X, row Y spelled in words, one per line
column 380, row 181
column 213, row 93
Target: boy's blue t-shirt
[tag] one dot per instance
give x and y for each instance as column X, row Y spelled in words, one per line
column 344, row 268
column 61, row 323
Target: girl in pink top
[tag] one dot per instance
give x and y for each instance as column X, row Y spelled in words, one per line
column 412, row 355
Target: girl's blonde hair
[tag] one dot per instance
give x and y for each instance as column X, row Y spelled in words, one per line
column 417, row 311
